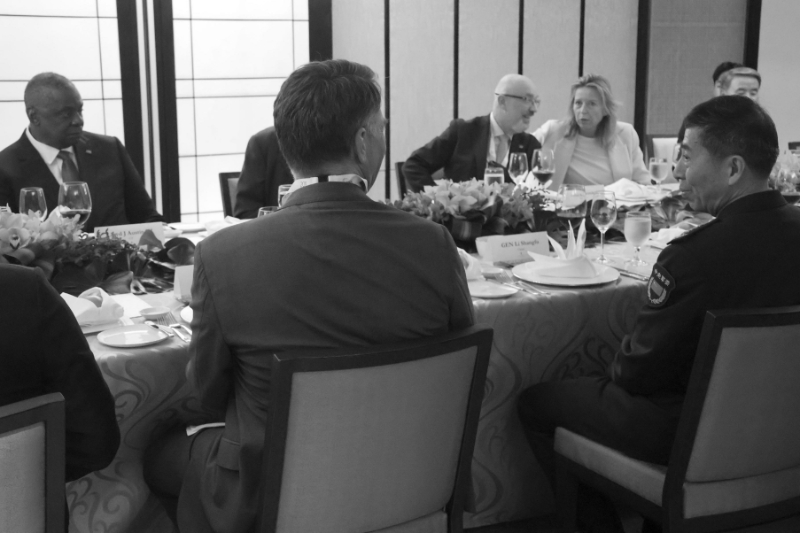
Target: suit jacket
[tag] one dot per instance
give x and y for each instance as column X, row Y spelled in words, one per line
column 461, row 151
column 263, row 171
column 625, row 156
column 738, row 260
column 117, row 190
column 43, row 350
column 332, row 268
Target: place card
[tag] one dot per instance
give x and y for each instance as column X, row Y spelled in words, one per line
column 512, row 248
column 130, row 232
column 182, row 284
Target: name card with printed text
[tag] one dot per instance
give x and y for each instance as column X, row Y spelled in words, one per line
column 512, row 248
column 130, row 232
column 182, row 286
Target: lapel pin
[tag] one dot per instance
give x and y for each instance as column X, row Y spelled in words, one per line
column 88, row 151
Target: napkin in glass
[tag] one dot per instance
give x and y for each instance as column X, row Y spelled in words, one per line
column 471, row 265
column 94, row 306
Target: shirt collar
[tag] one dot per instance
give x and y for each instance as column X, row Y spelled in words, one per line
column 48, row 153
column 496, row 129
column 342, row 178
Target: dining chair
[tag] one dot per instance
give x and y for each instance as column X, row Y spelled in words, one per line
column 794, row 146
column 400, row 179
column 374, row 438
column 660, row 146
column 32, row 465
column 736, row 457
column 228, row 183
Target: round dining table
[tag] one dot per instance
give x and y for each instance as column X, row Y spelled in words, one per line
column 566, row 332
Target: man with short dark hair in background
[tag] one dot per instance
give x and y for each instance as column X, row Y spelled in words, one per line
column 54, row 149
column 331, row 268
column 741, row 259
column 721, row 69
column 264, row 170
column 466, row 147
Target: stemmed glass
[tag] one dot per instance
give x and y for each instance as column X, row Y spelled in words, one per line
column 74, row 200
column 637, row 231
column 518, row 166
column 604, row 213
column 543, row 165
column 571, row 202
column 659, row 169
column 32, row 199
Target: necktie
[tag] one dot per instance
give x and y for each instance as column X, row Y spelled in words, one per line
column 69, row 172
column 502, row 149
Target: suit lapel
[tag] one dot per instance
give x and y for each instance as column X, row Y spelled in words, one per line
column 86, row 161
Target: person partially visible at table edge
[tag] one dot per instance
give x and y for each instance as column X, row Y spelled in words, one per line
column 331, row 268
column 45, row 351
column 721, row 69
column 738, row 260
column 54, row 149
column 263, row 171
column 743, row 81
column 590, row 146
column 465, row 147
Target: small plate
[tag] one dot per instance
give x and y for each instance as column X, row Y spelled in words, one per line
column 490, row 270
column 529, row 272
column 187, row 314
column 188, row 227
column 131, row 336
column 487, row 289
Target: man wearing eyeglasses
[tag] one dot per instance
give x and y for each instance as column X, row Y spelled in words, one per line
column 466, row 147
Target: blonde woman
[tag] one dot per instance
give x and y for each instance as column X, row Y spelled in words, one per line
column 590, row 146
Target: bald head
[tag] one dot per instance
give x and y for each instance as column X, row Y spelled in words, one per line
column 55, row 110
column 516, row 101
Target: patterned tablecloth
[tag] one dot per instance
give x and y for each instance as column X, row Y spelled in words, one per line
column 568, row 332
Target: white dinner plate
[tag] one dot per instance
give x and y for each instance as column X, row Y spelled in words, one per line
column 188, row 227
column 530, row 272
column 131, row 336
column 486, row 289
column 187, row 314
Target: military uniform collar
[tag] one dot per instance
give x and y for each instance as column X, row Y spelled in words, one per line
column 758, row 201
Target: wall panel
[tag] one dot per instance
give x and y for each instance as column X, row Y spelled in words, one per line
column 550, row 54
column 609, row 48
column 488, row 49
column 779, row 66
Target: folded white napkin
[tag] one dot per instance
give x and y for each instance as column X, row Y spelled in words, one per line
column 94, row 306
column 214, row 226
column 576, row 267
column 471, row 265
column 574, row 244
column 625, row 188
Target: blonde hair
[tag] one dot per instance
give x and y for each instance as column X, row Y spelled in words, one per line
column 607, row 129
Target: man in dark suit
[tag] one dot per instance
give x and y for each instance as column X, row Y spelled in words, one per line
column 54, row 149
column 743, row 258
column 43, row 350
column 263, row 171
column 465, row 148
column 331, row 268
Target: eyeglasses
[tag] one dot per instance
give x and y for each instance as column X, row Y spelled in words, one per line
column 529, row 99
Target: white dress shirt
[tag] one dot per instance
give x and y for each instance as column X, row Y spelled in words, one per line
column 50, row 156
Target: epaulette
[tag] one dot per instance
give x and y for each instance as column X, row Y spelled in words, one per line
column 693, row 231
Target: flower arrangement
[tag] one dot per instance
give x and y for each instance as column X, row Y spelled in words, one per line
column 26, row 240
column 473, row 208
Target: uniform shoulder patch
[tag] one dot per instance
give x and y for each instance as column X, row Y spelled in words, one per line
column 660, row 286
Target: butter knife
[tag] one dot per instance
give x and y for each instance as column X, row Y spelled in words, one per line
column 633, row 275
column 181, row 335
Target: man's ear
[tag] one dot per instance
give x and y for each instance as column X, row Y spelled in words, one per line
column 735, row 170
column 33, row 116
column 361, row 144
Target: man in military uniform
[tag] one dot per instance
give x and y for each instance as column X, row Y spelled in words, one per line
column 746, row 257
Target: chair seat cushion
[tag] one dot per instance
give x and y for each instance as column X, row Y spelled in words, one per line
column 640, row 477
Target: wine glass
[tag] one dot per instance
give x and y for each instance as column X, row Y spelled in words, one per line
column 659, row 169
column 32, row 199
column 637, row 231
column 268, row 210
column 604, row 213
column 571, row 203
column 543, row 165
column 74, row 200
column 518, row 166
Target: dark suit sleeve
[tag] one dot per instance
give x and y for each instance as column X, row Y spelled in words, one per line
column 139, row 206
column 252, row 189
column 420, row 166
column 92, row 433
column 210, row 370
column 660, row 351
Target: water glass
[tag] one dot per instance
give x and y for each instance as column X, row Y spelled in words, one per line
column 518, row 166
column 268, row 210
column 493, row 175
column 543, row 165
column 74, row 200
column 637, row 231
column 604, row 214
column 32, row 199
column 283, row 190
column 659, row 170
